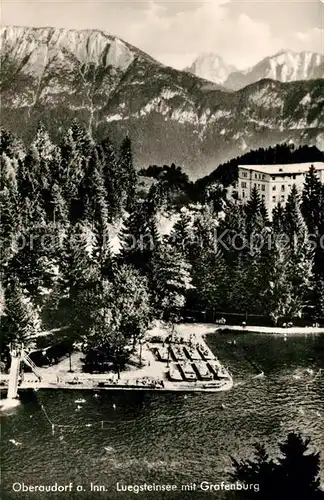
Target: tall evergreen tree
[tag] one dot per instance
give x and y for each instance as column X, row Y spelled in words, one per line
column 313, row 201
column 75, row 151
column 113, row 179
column 21, row 322
column 9, row 209
column 294, row 474
column 278, row 218
column 171, row 281
column 128, row 172
column 283, row 301
column 256, row 214
column 182, row 234
column 136, row 238
column 211, row 292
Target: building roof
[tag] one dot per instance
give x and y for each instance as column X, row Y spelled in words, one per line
column 291, row 168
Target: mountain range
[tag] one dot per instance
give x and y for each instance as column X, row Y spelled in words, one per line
column 55, row 75
column 285, row 66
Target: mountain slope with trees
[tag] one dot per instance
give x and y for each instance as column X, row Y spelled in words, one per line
column 115, row 89
column 62, row 204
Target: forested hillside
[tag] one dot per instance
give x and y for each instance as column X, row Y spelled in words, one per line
column 62, row 205
column 111, row 87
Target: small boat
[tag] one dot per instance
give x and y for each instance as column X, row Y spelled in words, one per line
column 80, row 401
column 259, row 375
column 109, row 448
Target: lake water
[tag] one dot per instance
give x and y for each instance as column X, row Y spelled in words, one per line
column 168, row 438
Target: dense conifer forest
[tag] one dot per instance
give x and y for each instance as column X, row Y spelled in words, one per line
column 84, row 246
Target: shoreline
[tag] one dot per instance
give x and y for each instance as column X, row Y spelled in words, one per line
column 89, row 387
column 303, row 330
column 153, row 374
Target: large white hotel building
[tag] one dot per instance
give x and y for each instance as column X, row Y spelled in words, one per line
column 273, row 182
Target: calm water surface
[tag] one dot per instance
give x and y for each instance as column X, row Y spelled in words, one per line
column 169, row 437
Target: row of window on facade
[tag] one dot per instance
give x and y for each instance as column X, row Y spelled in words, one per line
column 244, row 195
column 262, row 186
column 274, row 188
column 274, row 198
column 256, row 176
column 273, row 177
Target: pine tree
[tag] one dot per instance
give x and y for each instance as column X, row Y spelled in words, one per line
column 32, row 261
column 75, row 293
column 9, row 209
column 294, row 474
column 136, row 239
column 113, row 179
column 128, row 172
column 171, row 281
column 300, row 254
column 231, row 233
column 10, row 145
column 283, row 301
column 293, row 219
column 76, row 259
column 75, row 151
column 210, row 279
column 102, row 251
column 298, row 470
column 44, row 154
column 92, row 191
column 312, row 201
column 278, row 218
column 21, row 322
column 318, row 270
column 256, row 214
column 59, row 213
column 182, row 234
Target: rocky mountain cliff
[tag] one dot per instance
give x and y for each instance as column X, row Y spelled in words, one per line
column 286, row 66
column 55, row 75
column 211, row 67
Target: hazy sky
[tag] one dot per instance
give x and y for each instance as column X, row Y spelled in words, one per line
column 175, row 32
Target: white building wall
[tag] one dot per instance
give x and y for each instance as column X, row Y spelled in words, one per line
column 273, row 188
